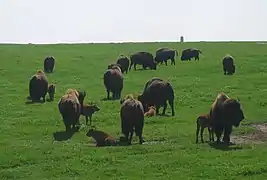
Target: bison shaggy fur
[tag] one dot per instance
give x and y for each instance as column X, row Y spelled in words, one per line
column 49, row 64
column 164, row 54
column 143, row 58
column 113, row 81
column 225, row 113
column 38, row 86
column 228, row 65
column 156, row 93
column 124, row 62
column 132, row 118
column 189, row 53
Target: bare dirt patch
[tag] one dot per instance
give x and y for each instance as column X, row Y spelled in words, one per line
column 257, row 137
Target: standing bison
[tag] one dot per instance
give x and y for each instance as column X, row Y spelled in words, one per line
column 143, row 58
column 132, row 118
column 113, row 81
column 49, row 64
column 228, row 65
column 38, row 86
column 124, row 62
column 164, row 54
column 189, row 53
column 225, row 112
column 156, row 93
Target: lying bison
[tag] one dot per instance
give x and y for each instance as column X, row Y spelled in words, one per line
column 113, row 81
column 225, row 112
column 164, row 54
column 156, row 93
column 124, row 62
column 132, row 118
column 143, row 58
column 49, row 64
column 38, row 86
column 189, row 53
column 228, row 65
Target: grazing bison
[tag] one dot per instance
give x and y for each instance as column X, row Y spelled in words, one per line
column 70, row 108
column 102, row 138
column 156, row 93
column 51, row 91
column 189, row 53
column 132, row 118
column 49, row 64
column 88, row 111
column 38, row 86
column 228, row 65
column 204, row 121
column 113, row 81
column 124, row 62
column 225, row 112
column 164, row 54
column 143, row 58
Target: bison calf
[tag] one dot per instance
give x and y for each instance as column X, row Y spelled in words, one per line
column 51, row 91
column 151, row 111
column 102, row 138
column 203, row 122
column 88, row 111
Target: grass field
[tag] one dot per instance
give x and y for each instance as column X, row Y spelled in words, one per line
column 27, row 147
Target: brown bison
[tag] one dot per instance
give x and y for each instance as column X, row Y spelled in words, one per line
column 38, row 86
column 151, row 111
column 164, row 54
column 102, row 138
column 51, row 91
column 88, row 111
column 204, row 121
column 225, row 112
column 228, row 65
column 70, row 108
column 132, row 118
column 143, row 58
column 124, row 62
column 189, row 53
column 156, row 93
column 113, row 81
column 49, row 64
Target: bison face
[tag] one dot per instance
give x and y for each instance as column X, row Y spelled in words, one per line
column 234, row 112
column 95, row 108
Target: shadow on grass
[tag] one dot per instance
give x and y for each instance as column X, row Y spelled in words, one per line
column 110, row 99
column 224, row 147
column 164, row 115
column 63, row 135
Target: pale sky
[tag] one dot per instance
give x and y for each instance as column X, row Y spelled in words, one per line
column 69, row 21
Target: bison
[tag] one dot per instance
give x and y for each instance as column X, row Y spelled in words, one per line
column 228, row 65
column 204, row 121
column 124, row 62
column 38, row 86
column 132, row 118
column 164, row 54
column 156, row 93
column 88, row 111
column 189, row 53
column 151, row 111
column 51, row 91
column 102, row 138
column 49, row 64
column 225, row 113
column 113, row 81
column 143, row 58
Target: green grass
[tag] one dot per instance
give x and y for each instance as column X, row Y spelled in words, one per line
column 27, row 149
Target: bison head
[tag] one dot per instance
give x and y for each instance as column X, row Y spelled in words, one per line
column 233, row 112
column 82, row 95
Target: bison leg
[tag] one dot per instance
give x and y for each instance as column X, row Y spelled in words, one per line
column 166, row 63
column 224, row 70
column 210, row 134
column 172, row 61
column 86, row 120
column 134, row 66
column 171, row 104
column 130, row 66
column 197, row 132
column 218, row 132
column 226, row 135
column 201, row 134
column 131, row 137
column 108, row 93
column 157, row 109
column 164, row 108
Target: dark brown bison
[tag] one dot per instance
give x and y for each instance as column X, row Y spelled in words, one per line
column 189, row 53
column 124, row 62
column 49, row 64
column 143, row 58
column 113, row 81
column 88, row 110
column 51, row 91
column 225, row 112
column 164, row 54
column 228, row 65
column 204, row 121
column 156, row 93
column 38, row 86
column 132, row 118
column 102, row 138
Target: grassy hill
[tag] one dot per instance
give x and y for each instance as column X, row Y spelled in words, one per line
column 27, row 147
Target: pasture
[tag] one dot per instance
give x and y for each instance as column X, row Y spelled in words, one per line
column 28, row 149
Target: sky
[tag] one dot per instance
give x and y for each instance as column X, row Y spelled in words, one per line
column 84, row 21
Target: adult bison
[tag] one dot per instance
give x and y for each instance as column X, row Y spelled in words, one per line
column 49, row 64
column 164, row 54
column 124, row 62
column 113, row 81
column 228, row 65
column 189, row 53
column 132, row 118
column 225, row 113
column 156, row 93
column 143, row 58
column 38, row 86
